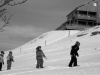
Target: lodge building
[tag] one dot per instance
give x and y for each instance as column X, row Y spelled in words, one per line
column 84, row 16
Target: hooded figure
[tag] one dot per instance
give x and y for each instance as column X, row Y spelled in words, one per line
column 1, row 59
column 9, row 60
column 39, row 57
column 74, row 53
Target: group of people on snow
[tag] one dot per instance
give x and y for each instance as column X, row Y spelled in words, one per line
column 40, row 55
column 9, row 60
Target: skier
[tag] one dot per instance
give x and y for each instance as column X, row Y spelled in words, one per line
column 9, row 60
column 1, row 59
column 74, row 53
column 39, row 57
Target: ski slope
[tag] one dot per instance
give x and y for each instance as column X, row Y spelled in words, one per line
column 57, row 49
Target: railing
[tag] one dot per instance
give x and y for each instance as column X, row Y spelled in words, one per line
column 77, row 26
column 86, row 17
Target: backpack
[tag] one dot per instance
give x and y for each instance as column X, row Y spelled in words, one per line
column 72, row 50
column 8, row 58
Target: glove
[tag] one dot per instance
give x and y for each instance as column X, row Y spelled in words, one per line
column 45, row 57
column 13, row 60
column 77, row 55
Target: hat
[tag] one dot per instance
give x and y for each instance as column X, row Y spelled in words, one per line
column 77, row 43
column 10, row 51
column 2, row 52
column 38, row 47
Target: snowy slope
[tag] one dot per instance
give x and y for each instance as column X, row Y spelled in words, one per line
column 57, row 49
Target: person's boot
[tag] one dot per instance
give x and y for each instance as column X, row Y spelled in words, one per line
column 69, row 65
column 37, row 66
column 76, row 65
column 41, row 67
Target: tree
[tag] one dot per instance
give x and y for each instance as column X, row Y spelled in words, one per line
column 4, row 13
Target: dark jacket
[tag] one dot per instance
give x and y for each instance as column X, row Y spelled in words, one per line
column 74, row 50
column 1, row 59
column 40, row 54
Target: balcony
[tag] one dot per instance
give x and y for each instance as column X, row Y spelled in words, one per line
column 77, row 26
column 86, row 17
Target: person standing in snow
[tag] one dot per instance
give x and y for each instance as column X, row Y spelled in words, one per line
column 74, row 53
column 39, row 57
column 9, row 60
column 1, row 59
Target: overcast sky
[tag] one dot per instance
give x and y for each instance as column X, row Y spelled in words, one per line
column 34, row 18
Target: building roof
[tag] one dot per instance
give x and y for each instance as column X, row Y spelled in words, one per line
column 89, row 6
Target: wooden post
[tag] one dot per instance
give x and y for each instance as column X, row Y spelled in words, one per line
column 86, row 23
column 69, row 34
column 45, row 42
column 20, row 49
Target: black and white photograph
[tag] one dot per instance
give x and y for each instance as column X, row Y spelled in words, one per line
column 49, row 37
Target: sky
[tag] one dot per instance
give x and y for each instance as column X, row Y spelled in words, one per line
column 34, row 18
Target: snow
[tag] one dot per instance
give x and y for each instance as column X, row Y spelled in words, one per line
column 57, row 50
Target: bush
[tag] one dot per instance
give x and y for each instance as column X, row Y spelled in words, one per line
column 95, row 33
column 81, row 35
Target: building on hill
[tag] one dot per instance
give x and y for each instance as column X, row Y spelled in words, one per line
column 83, row 16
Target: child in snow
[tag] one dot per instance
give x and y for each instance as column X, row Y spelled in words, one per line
column 39, row 57
column 9, row 60
column 74, row 53
column 1, row 59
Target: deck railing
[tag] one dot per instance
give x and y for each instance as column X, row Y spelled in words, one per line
column 86, row 17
